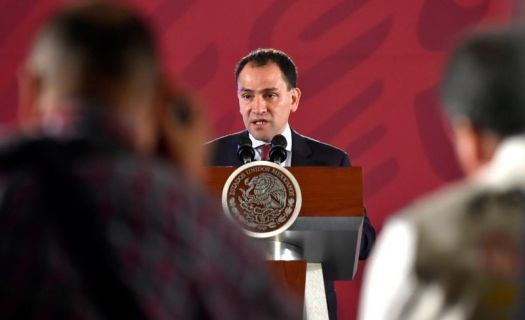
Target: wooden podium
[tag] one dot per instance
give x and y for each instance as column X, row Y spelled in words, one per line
column 328, row 229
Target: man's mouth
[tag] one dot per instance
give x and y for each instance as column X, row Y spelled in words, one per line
column 259, row 122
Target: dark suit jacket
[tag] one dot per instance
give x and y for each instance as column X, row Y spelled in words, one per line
column 305, row 152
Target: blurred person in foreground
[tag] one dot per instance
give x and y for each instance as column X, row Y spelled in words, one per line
column 454, row 254
column 92, row 225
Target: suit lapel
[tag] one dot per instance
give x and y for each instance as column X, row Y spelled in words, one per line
column 235, row 158
column 301, row 152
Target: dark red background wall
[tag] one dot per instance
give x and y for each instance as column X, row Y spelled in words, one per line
column 368, row 70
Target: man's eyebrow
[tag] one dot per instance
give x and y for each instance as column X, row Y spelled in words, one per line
column 246, row 90
column 269, row 89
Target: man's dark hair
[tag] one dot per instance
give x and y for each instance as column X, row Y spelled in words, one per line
column 484, row 82
column 101, row 44
column 262, row 57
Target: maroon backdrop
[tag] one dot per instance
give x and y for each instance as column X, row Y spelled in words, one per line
column 368, row 70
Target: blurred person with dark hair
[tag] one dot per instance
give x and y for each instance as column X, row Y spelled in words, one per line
column 454, row 254
column 92, row 225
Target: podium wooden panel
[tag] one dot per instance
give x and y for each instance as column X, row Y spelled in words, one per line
column 327, row 191
column 291, row 275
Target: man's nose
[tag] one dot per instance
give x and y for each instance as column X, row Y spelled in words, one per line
column 259, row 105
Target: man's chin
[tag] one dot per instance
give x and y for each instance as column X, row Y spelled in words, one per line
column 261, row 136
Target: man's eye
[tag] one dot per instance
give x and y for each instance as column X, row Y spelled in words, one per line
column 246, row 96
column 271, row 95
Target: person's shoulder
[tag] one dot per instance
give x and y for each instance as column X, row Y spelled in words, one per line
column 232, row 138
column 223, row 150
column 17, row 153
column 449, row 204
column 320, row 148
column 441, row 203
column 20, row 149
column 440, row 217
column 325, row 147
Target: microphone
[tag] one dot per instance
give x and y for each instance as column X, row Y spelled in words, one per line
column 278, row 151
column 245, row 152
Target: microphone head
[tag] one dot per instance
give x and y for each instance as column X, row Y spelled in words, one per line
column 279, row 140
column 278, row 151
column 245, row 152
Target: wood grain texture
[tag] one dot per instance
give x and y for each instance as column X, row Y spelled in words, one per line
column 326, row 191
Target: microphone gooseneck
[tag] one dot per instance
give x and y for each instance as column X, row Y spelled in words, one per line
column 245, row 152
column 278, row 151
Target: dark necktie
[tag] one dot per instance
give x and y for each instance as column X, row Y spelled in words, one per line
column 264, row 151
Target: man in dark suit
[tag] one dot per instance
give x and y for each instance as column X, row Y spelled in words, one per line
column 268, row 93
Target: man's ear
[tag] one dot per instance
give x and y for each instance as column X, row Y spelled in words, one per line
column 29, row 89
column 296, row 96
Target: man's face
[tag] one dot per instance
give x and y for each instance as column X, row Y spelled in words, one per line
column 265, row 102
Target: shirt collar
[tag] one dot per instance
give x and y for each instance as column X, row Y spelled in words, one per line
column 287, row 133
column 507, row 166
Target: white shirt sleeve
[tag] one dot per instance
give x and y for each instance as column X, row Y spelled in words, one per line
column 388, row 280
